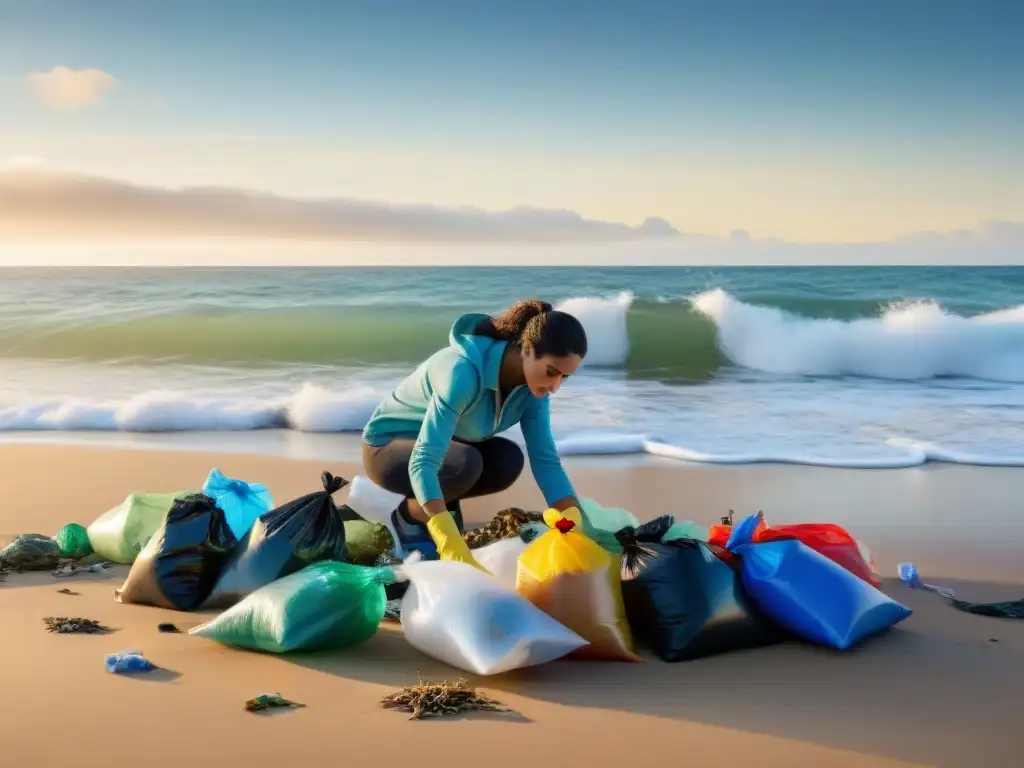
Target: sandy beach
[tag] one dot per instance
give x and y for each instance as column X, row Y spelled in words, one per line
column 942, row 689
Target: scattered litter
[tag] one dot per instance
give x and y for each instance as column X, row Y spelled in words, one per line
column 67, row 568
column 64, row 625
column 127, row 661
column 67, row 591
column 387, row 560
column 168, row 628
column 425, row 700
column 1007, row 609
column 507, row 524
column 270, row 701
column 31, row 552
column 393, row 592
column 393, row 610
column 531, row 532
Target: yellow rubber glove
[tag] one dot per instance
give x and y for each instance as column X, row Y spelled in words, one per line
column 449, row 541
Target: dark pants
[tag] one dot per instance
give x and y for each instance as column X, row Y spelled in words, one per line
column 468, row 469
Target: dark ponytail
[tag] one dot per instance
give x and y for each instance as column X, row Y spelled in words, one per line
column 534, row 322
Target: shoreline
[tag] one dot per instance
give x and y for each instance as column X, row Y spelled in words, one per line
column 346, row 446
column 925, row 514
column 952, row 675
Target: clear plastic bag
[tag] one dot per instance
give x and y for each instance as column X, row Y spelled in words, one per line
column 242, row 502
column 464, row 617
column 120, row 533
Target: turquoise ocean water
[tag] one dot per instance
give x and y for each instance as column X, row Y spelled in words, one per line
column 826, row 365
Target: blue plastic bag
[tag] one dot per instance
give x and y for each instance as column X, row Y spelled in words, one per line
column 810, row 595
column 241, row 502
column 126, row 662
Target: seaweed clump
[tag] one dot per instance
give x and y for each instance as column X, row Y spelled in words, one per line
column 442, row 699
column 507, row 524
column 64, row 625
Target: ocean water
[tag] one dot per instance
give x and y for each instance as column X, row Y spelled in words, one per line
column 840, row 366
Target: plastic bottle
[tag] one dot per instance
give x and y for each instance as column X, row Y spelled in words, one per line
column 127, row 661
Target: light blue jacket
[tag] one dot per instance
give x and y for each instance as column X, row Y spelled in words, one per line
column 454, row 393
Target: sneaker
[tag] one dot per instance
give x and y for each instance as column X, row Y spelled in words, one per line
column 413, row 535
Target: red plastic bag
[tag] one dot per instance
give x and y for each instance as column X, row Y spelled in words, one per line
column 832, row 541
column 719, row 534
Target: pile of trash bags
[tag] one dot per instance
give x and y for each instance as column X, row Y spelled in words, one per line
column 588, row 583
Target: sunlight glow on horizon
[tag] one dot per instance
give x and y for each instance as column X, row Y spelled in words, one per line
column 844, row 125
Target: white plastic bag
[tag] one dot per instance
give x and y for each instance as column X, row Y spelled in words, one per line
column 501, row 558
column 463, row 617
column 375, row 505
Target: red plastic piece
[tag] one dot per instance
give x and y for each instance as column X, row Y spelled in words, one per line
column 565, row 525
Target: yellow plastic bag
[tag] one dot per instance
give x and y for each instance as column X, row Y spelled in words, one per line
column 576, row 582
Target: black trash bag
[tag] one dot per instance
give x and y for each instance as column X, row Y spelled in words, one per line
column 683, row 601
column 1005, row 609
column 283, row 541
column 183, row 560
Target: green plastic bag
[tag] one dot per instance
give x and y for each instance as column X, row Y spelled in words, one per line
column 608, row 519
column 687, row 530
column 601, row 523
column 325, row 605
column 73, row 541
column 119, row 534
column 365, row 541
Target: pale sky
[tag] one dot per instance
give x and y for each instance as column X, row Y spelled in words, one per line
column 798, row 120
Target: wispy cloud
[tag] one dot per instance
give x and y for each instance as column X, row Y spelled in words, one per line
column 986, row 233
column 70, row 89
column 39, row 200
